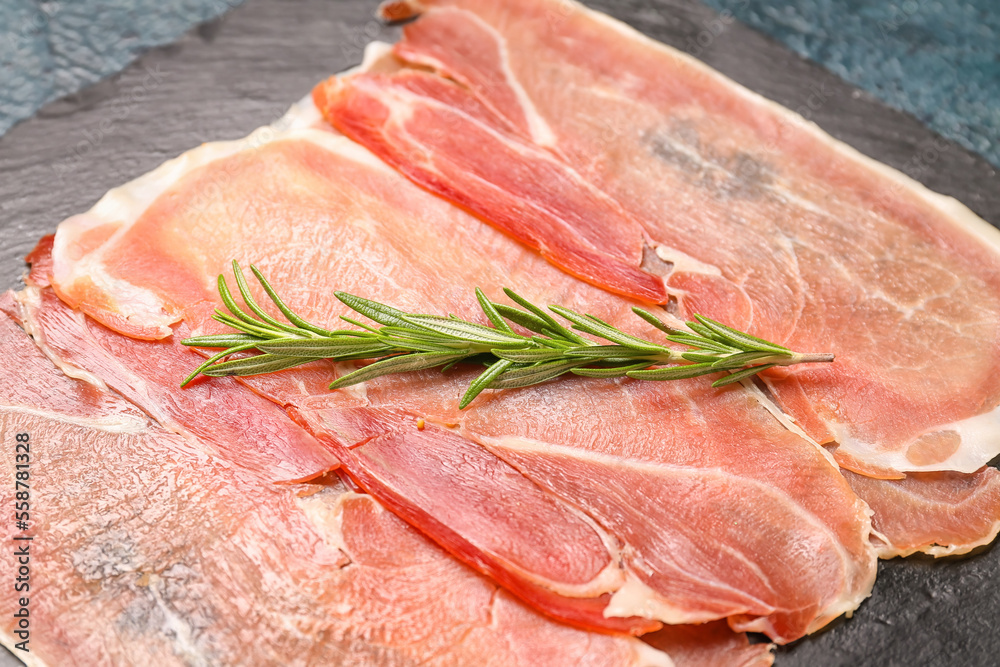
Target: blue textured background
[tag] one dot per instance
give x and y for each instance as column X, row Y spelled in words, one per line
column 937, row 60
column 51, row 48
column 940, row 61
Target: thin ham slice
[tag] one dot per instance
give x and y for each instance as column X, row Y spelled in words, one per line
column 152, row 547
column 769, row 224
column 704, row 645
column 149, row 375
column 937, row 513
column 686, row 481
column 721, row 480
column 534, row 198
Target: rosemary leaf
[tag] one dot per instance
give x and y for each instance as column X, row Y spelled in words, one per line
column 254, row 330
column 740, row 339
column 739, row 375
column 601, row 329
column 554, row 343
column 522, row 318
column 484, row 381
column 285, row 310
column 220, row 340
column 258, row 364
column 325, row 348
column 399, row 364
column 417, row 345
column 489, row 309
column 692, row 340
column 208, row 363
column 701, row 357
column 527, row 376
column 230, row 303
column 614, row 372
column 554, row 328
column 467, row 331
column 529, row 356
column 618, row 351
column 742, row 359
column 655, row 321
column 674, row 372
column 248, row 299
column 364, row 326
column 701, row 330
column 373, row 310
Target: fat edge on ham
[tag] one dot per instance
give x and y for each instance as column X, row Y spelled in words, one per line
column 764, row 221
column 161, row 548
column 374, row 254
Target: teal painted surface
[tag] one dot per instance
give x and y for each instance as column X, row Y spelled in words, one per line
column 51, row 48
column 938, row 60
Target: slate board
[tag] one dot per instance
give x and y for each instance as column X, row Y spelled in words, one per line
column 239, row 72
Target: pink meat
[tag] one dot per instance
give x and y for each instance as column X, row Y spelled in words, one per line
column 939, row 513
column 768, row 223
column 317, row 214
column 710, row 645
column 152, row 547
column 149, row 375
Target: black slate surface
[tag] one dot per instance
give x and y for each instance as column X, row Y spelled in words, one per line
column 242, row 71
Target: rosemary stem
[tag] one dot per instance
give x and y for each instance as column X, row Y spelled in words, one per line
column 407, row 342
column 806, row 358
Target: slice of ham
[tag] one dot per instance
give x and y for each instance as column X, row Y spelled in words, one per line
column 149, row 377
column 769, row 224
column 319, row 213
column 483, row 511
column 937, row 513
column 686, row 482
column 152, row 547
column 532, row 196
column 710, row 645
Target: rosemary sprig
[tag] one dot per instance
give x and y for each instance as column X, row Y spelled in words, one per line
column 407, row 342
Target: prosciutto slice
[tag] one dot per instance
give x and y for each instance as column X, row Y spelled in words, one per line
column 153, row 547
column 937, row 513
column 763, row 221
column 704, row 645
column 681, row 474
column 148, row 376
column 641, row 494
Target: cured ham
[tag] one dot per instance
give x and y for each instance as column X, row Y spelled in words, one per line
column 760, row 219
column 584, row 237
column 721, row 479
column 678, row 486
column 610, row 505
column 709, row 645
column 937, row 513
column 148, row 376
column 155, row 547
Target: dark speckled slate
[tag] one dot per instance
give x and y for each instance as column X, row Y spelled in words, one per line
column 232, row 75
